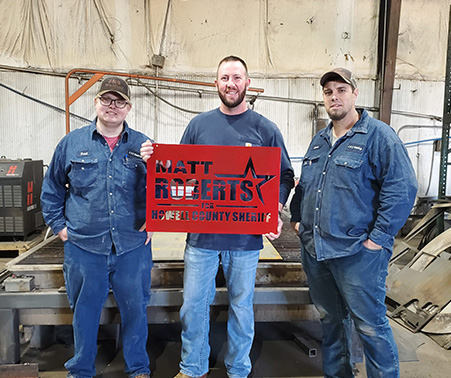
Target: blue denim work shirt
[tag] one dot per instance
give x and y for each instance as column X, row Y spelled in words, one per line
column 362, row 187
column 98, row 194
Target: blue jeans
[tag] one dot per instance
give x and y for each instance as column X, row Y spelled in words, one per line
column 199, row 287
column 353, row 287
column 88, row 278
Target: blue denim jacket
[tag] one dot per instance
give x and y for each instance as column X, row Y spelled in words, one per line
column 362, row 187
column 98, row 194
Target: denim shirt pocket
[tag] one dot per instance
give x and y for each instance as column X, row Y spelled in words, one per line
column 133, row 172
column 348, row 171
column 84, row 173
column 309, row 170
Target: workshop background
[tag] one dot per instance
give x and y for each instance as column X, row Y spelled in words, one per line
column 287, row 45
column 169, row 50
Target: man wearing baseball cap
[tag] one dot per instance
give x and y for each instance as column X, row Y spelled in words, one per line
column 356, row 190
column 94, row 199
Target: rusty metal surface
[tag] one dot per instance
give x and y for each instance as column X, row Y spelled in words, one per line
column 19, row 371
column 49, row 254
column 45, row 264
column 287, row 245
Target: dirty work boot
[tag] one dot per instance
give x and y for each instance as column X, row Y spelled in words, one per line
column 181, row 375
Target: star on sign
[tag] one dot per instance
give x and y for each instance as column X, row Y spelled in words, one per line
column 250, row 170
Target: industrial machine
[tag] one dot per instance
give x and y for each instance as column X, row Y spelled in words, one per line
column 32, row 290
column 20, row 191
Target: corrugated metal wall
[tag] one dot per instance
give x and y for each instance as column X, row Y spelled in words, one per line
column 287, row 45
column 31, row 129
column 417, row 111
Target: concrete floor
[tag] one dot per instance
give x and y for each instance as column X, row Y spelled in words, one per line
column 274, row 353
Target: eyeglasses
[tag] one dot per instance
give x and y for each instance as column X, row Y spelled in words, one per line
column 118, row 103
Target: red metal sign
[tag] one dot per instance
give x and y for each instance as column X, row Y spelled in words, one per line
column 213, row 189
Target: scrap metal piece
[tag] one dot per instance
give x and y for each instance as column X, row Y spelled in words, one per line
column 441, row 323
column 19, row 283
column 307, row 345
column 431, row 251
column 419, row 296
column 430, row 217
column 401, row 250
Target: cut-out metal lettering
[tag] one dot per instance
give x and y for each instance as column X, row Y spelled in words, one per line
column 213, row 189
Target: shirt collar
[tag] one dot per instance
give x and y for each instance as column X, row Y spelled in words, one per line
column 361, row 126
column 93, row 130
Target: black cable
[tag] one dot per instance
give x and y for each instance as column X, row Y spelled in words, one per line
column 46, row 104
column 166, row 101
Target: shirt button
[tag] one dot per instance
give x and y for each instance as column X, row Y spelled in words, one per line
column 319, row 191
column 317, row 209
column 112, row 211
column 113, row 229
column 110, row 176
column 111, row 194
column 316, row 226
column 82, row 168
column 324, row 172
column 110, row 159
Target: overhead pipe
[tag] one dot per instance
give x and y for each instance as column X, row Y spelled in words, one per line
column 97, row 75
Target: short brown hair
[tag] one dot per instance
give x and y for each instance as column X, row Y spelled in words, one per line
column 233, row 58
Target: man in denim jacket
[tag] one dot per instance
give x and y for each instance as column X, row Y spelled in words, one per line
column 94, row 199
column 356, row 190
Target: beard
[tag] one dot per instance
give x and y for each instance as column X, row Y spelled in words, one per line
column 337, row 116
column 231, row 103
